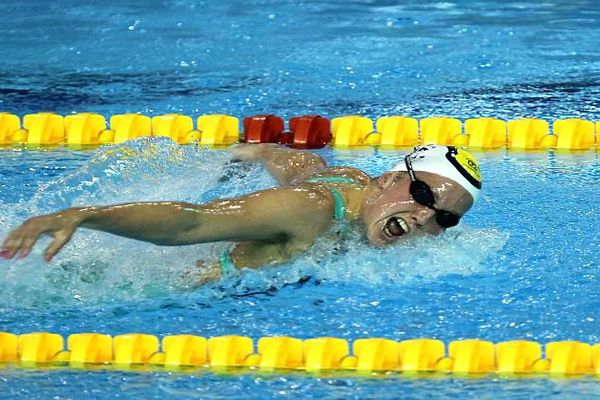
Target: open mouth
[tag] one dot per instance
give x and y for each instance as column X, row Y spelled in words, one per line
column 395, row 227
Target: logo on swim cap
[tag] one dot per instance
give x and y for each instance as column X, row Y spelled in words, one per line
column 466, row 164
column 448, row 161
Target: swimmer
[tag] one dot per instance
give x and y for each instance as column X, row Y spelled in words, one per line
column 427, row 193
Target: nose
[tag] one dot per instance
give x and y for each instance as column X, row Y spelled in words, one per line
column 421, row 215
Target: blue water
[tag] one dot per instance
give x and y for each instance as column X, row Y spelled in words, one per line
column 523, row 264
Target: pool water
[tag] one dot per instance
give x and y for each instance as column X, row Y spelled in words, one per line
column 522, row 265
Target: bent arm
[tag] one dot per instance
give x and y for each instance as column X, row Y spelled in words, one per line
column 286, row 165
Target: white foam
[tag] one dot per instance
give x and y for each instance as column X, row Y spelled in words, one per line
column 97, row 267
column 461, row 251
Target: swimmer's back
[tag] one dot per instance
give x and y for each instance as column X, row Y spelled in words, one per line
column 352, row 175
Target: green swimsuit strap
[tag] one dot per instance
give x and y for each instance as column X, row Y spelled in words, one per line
column 339, row 205
column 228, row 267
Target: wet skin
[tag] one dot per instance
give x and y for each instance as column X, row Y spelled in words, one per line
column 268, row 226
column 391, row 199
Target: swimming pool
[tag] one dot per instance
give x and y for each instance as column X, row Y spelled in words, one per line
column 522, row 265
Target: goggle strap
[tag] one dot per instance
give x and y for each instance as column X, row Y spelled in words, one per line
column 409, row 168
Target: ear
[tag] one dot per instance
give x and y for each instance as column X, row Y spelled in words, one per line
column 386, row 180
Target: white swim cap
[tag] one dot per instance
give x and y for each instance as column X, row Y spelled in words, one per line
column 447, row 161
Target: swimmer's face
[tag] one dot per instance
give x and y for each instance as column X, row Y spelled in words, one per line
column 391, row 214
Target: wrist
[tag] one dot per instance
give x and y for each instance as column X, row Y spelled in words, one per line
column 80, row 215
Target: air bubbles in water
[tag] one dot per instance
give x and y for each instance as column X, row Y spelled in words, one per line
column 98, row 267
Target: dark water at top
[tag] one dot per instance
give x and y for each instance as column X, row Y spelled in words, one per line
column 523, row 265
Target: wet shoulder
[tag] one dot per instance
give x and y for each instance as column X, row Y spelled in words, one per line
column 349, row 173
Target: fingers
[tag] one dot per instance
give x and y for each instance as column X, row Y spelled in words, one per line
column 60, row 239
column 20, row 242
column 9, row 249
column 14, row 243
column 27, row 244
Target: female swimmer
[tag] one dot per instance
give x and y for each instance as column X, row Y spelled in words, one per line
column 429, row 191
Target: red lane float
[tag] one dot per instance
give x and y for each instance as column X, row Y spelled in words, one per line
column 310, row 131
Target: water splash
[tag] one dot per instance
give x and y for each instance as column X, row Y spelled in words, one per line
column 461, row 251
column 97, row 267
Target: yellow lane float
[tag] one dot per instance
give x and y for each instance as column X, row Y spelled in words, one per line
column 369, row 355
column 393, row 131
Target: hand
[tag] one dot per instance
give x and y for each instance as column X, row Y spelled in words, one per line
column 249, row 152
column 21, row 240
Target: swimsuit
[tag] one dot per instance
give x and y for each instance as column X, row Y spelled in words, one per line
column 339, row 205
column 228, row 267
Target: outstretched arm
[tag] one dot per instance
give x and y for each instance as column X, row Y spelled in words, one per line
column 286, row 165
column 257, row 217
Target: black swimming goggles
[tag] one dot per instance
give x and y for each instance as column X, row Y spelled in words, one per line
column 421, row 192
